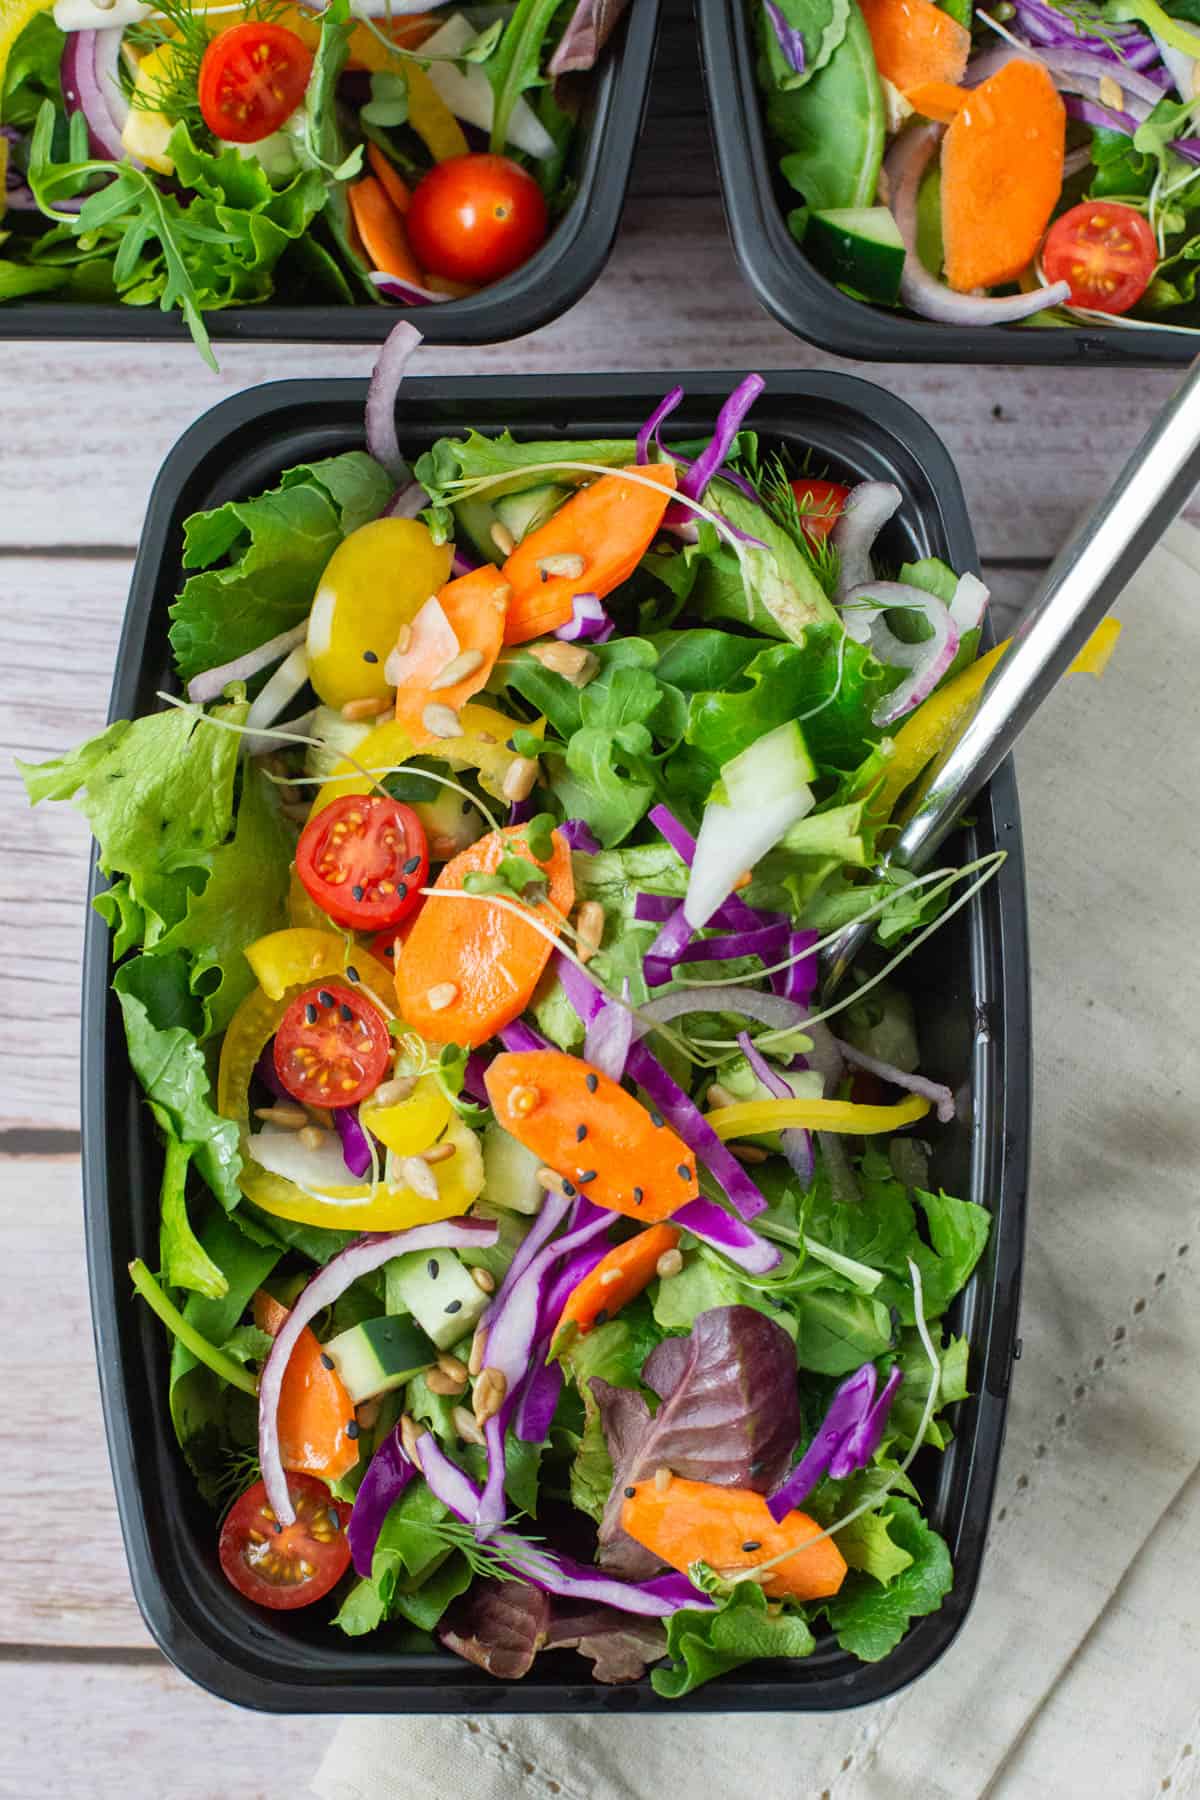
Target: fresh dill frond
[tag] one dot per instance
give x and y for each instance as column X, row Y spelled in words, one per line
column 239, row 1471
column 494, row 1561
column 174, row 92
column 779, row 497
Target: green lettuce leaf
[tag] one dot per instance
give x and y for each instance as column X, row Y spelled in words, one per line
column 837, row 1332
column 614, row 1352
column 823, row 23
column 706, row 1281
column 31, row 74
column 867, row 1544
column 702, row 1645
column 869, row 1619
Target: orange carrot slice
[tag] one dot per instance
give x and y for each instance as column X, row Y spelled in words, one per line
column 731, row 1529
column 381, row 229
column 475, row 606
column 938, row 100
column 469, row 967
column 389, row 178
column 1002, row 171
column 585, row 1127
column 315, row 1412
column 617, row 1277
column 915, row 41
column 607, row 527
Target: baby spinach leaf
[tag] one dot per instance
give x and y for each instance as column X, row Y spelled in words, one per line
column 823, row 24
column 834, row 128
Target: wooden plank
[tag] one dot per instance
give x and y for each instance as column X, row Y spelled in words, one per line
column 109, row 1731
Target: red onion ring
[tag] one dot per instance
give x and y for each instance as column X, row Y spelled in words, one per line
column 868, row 508
column 386, row 377
column 91, row 85
column 206, row 687
column 406, row 293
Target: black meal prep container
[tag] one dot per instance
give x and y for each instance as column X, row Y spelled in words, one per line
column 568, row 264
column 970, row 985
column 757, row 200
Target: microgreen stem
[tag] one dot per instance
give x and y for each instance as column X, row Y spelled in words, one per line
column 204, row 1352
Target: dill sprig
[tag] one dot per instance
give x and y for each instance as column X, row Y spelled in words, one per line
column 495, row 1561
column 239, row 1471
column 774, row 485
column 174, row 92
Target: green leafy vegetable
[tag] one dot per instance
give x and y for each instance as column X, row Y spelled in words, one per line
column 515, row 63
column 702, row 1645
column 31, row 74
column 823, row 23
column 834, row 128
column 868, row 1618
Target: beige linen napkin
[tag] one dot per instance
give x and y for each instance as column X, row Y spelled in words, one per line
column 1077, row 1675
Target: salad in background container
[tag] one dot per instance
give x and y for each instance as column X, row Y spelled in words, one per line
column 369, row 154
column 1035, row 163
column 546, row 1268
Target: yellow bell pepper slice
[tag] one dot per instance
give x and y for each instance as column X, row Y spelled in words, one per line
column 482, row 746
column 748, row 1117
column 936, row 724
column 299, row 956
column 302, row 909
column 411, row 1125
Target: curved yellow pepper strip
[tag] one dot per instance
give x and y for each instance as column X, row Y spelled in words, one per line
column 746, row 1118
column 936, row 724
column 483, row 746
column 300, row 955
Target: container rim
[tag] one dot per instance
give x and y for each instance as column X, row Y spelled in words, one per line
column 232, row 1654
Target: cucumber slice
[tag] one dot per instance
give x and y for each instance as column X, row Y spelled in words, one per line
column 341, row 738
column 451, row 823
column 439, row 1293
column 522, row 513
column 378, row 1355
column 774, row 767
column 859, row 246
column 510, row 1172
column 475, row 519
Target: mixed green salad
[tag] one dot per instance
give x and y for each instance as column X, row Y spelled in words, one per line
column 1029, row 160
column 546, row 1266
column 199, row 154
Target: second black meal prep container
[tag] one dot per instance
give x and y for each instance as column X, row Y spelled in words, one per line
column 970, row 986
column 568, row 264
column 757, row 200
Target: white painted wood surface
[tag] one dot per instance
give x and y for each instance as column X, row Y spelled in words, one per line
column 89, row 1708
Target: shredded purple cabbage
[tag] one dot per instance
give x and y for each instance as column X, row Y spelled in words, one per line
column 580, row 836
column 356, row 1148
column 791, row 41
column 388, row 1474
column 729, row 423
column 846, row 1439
column 649, row 431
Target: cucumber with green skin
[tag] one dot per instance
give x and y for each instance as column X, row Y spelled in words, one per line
column 379, row 1354
column 437, row 1291
column 858, row 247
column 524, row 512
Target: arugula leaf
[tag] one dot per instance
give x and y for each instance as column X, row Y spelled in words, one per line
column 869, row 1619
column 479, row 458
column 706, row 1644
column 515, row 64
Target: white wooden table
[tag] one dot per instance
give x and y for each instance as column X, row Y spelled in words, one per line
column 89, row 1707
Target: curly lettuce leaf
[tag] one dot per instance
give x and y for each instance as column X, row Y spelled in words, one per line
column 868, row 1618
column 703, row 1645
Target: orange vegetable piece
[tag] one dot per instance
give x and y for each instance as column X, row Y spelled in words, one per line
column 609, row 524
column 617, row 1277
column 624, row 1160
column 314, row 1407
column 696, row 1521
column 938, row 100
column 389, row 178
column 915, row 41
column 468, row 967
column 1002, row 172
column 476, row 606
column 381, row 229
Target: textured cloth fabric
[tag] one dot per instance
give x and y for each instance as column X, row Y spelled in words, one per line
column 1077, row 1673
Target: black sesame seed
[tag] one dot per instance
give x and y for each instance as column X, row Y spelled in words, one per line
column 758, row 1465
column 656, row 1119
column 431, row 1268
column 630, row 1492
column 545, row 574
column 352, row 1429
column 569, row 1188
column 580, row 1133
column 347, row 1012
column 326, row 1361
column 357, row 890
column 683, row 1172
column 751, row 1545
column 511, row 744
column 638, row 1196
column 325, row 997
column 370, row 656
column 593, row 1082
column 586, row 1175
column 602, row 1316
column 352, row 973
column 310, row 1013
column 411, row 866
column 391, row 950
column 454, row 1306
column 402, row 890
column 466, row 808
column 278, row 1526
column 334, row 1521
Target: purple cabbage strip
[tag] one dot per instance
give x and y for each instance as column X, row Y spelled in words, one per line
column 264, row 1068
column 729, row 423
column 667, row 948
column 734, row 913
column 538, row 1398
column 845, row 1441
column 1089, row 112
column 797, row 1143
column 768, row 943
column 519, row 811
column 356, row 1148
column 388, row 1474
column 728, row 1234
column 798, row 982
column 473, row 1078
column 463, row 564
column 518, row 1036
column 1188, row 148
column 606, row 1045
column 791, row 41
column 580, row 836
column 649, row 431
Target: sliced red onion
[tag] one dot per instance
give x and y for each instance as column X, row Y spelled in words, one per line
column 904, row 167
column 588, row 622
column 580, row 836
column 548, row 1570
column 935, row 1091
column 721, row 996
column 386, row 377
column 649, row 431
column 969, row 603
column 1090, row 112
column 587, row 31
column 868, row 508
column 1079, row 70
column 609, row 1036
column 356, row 1148
column 790, row 41
column 729, row 423
column 796, row 1142
column 405, row 293
column 934, row 658
column 328, row 1285
column 212, row 683
column 279, row 692
column 845, row 1441
column 408, row 500
column 866, row 604
column 728, row 1235
column 91, row 83
column 388, row 1474
column 1076, row 161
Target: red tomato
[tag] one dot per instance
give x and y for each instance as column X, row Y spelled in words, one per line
column 332, row 1047
column 866, row 1089
column 820, row 504
column 364, row 860
column 268, row 1564
column 386, row 944
column 1105, row 251
column 475, row 218
column 252, row 78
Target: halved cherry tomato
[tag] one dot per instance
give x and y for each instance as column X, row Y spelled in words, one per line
column 820, row 504
column 332, row 1047
column 284, row 1569
column 386, row 944
column 475, row 218
column 252, row 78
column 364, row 860
column 1106, row 252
